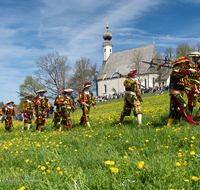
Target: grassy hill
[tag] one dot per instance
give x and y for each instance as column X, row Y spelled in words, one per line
column 105, row 156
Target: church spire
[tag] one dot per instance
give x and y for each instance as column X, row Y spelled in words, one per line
column 107, row 44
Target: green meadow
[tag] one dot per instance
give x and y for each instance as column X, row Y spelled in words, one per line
column 106, row 156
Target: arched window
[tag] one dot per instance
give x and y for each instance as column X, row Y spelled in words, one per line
column 145, row 83
column 105, row 88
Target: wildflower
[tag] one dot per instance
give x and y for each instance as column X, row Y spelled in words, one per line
column 125, row 156
column 27, row 160
column 178, row 163
column 58, row 168
column 185, row 163
column 69, row 175
column 193, row 138
column 186, row 180
column 141, row 164
column 48, row 171
column 75, row 150
column 79, row 168
column 166, row 147
column 43, row 168
column 146, row 140
column 21, row 188
column 60, row 173
column 114, row 170
column 47, row 163
column 38, row 145
column 109, row 162
column 195, row 178
column 192, row 152
column 43, row 173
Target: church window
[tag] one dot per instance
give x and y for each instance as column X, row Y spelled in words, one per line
column 105, row 88
column 110, row 50
column 104, row 50
column 145, row 83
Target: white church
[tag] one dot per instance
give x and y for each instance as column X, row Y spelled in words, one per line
column 124, row 62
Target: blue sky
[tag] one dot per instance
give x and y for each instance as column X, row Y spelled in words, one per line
column 30, row 29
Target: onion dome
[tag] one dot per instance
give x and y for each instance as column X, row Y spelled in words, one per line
column 107, row 35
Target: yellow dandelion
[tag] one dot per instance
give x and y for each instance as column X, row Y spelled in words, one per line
column 178, row 163
column 114, row 170
column 58, row 168
column 141, row 164
column 43, row 168
column 192, row 152
column 27, row 160
column 194, row 178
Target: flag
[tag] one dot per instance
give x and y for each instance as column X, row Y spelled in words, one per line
column 104, row 76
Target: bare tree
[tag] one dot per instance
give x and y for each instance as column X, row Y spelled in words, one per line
column 95, row 73
column 170, row 53
column 82, row 74
column 53, row 72
column 137, row 64
column 183, row 50
column 197, row 46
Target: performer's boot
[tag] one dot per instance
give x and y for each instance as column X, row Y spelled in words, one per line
column 121, row 120
column 139, row 118
column 61, row 126
column 40, row 128
column 69, row 126
column 170, row 121
column 55, row 125
column 88, row 124
column 189, row 120
column 29, row 126
column 82, row 120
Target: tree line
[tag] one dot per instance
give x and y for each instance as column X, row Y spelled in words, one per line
column 54, row 72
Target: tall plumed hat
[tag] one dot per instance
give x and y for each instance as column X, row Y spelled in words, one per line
column 132, row 73
column 87, row 84
column 181, row 60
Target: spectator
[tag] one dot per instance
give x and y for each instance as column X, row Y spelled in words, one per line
column 20, row 116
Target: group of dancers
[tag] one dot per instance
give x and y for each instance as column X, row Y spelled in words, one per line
column 184, row 78
column 64, row 103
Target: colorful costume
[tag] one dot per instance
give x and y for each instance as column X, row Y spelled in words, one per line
column 9, row 112
column 193, row 83
column 41, row 105
column 178, row 106
column 28, row 111
column 67, row 106
column 57, row 113
column 132, row 99
column 88, row 98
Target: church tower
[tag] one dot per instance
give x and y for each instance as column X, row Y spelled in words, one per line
column 107, row 44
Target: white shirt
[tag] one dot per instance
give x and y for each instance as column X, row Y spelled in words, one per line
column 86, row 92
column 29, row 101
column 10, row 107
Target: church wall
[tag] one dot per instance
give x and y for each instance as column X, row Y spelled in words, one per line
column 116, row 83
